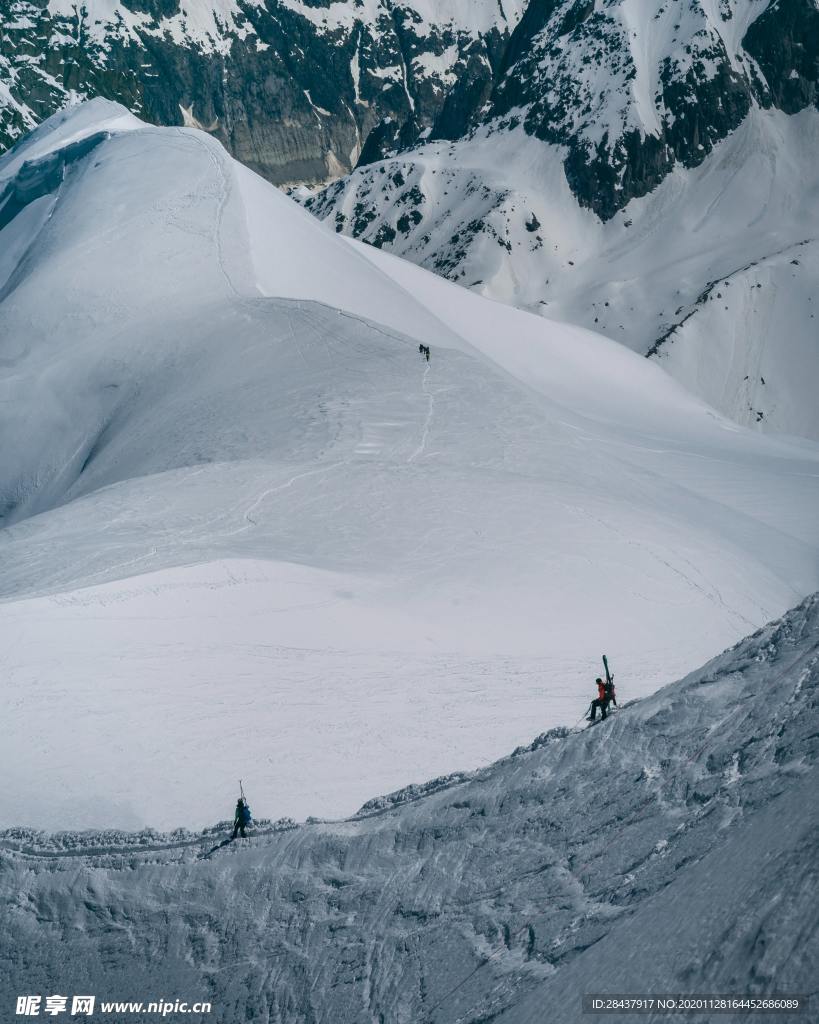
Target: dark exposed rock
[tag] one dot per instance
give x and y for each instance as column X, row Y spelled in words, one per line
column 784, row 41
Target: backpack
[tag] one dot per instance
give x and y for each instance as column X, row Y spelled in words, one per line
column 610, row 690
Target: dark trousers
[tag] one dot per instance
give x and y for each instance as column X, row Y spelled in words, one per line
column 239, row 826
column 602, row 704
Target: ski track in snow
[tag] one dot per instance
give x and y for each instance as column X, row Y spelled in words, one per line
column 430, row 413
column 222, row 201
column 322, row 470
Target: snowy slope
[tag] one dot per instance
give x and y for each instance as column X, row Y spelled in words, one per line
column 247, row 527
column 496, row 214
column 670, row 850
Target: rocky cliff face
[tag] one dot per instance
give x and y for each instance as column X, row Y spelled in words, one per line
column 295, row 89
column 304, row 90
column 630, row 97
column 630, row 93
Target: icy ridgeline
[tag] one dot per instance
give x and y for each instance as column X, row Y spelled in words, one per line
column 250, row 533
column 672, row 848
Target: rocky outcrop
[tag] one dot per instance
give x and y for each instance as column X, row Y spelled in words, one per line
column 784, row 41
column 628, row 99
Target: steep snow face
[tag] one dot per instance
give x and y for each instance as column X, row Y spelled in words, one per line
column 241, row 510
column 714, row 273
column 672, row 847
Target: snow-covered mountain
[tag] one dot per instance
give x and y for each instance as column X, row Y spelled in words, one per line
column 304, row 90
column 249, row 532
column 669, row 850
column 714, row 274
column 295, row 89
column 645, row 170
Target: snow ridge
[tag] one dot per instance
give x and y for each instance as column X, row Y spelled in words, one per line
column 498, row 893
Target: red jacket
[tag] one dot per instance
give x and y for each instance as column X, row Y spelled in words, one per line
column 601, row 691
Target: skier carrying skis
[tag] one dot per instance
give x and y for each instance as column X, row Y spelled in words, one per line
column 241, row 818
column 602, row 702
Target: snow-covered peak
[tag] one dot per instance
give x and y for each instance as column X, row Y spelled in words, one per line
column 223, row 443
column 68, row 126
column 334, row 72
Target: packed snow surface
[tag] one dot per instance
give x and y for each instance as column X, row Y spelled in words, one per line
column 250, row 533
column 669, row 849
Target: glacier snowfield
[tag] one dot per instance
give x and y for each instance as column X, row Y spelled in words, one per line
column 249, row 532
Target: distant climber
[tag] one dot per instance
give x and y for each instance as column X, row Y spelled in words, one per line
column 241, row 818
column 601, row 702
column 424, row 351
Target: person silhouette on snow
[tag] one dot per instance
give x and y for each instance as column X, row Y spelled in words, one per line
column 601, row 702
column 241, row 818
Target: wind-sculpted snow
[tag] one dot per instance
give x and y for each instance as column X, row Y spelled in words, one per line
column 247, row 525
column 671, row 848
